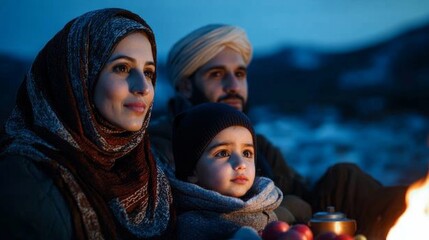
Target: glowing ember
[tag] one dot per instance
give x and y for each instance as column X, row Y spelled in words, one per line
column 415, row 219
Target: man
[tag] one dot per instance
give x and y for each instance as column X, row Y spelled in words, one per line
column 210, row 65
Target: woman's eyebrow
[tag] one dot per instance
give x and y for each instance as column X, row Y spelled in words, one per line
column 120, row 56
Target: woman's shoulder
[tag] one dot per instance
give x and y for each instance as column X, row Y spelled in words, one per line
column 30, row 203
column 20, row 175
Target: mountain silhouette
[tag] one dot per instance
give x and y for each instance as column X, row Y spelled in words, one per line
column 386, row 77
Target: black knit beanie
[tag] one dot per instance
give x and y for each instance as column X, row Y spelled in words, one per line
column 195, row 128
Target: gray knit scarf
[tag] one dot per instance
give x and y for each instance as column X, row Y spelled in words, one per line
column 206, row 214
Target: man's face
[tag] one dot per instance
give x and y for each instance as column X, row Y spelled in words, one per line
column 222, row 79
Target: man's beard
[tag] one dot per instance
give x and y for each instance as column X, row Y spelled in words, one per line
column 199, row 97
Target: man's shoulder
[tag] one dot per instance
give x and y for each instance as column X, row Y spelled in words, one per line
column 260, row 137
column 263, row 142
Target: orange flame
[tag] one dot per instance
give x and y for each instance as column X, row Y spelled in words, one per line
column 415, row 219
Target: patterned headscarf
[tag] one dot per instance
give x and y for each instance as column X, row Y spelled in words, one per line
column 201, row 45
column 104, row 172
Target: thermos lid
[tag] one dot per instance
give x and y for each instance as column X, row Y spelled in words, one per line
column 329, row 215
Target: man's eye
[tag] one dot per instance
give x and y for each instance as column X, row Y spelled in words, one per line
column 216, row 74
column 122, row 68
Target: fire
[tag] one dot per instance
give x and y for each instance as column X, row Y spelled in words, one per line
column 415, row 219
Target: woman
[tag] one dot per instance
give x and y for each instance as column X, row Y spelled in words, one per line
column 75, row 161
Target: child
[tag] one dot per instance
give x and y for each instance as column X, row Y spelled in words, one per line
column 215, row 187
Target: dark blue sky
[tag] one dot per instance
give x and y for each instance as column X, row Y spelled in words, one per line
column 26, row 25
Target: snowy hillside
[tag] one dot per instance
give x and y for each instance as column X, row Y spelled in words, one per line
column 393, row 149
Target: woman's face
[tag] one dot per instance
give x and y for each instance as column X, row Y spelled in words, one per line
column 124, row 91
column 227, row 165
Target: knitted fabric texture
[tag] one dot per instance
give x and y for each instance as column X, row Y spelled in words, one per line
column 203, row 44
column 195, row 128
column 207, row 214
column 107, row 175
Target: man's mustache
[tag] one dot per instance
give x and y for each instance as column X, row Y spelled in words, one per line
column 231, row 96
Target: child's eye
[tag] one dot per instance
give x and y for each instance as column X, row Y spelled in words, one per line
column 248, row 154
column 222, row 154
column 121, row 68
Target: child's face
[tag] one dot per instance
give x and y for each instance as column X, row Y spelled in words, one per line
column 227, row 165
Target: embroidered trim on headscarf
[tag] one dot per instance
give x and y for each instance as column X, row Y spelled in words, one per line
column 89, row 217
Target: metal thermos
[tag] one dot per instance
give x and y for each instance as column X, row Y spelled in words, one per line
column 331, row 221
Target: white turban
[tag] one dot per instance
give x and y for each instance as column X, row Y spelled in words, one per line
column 201, row 45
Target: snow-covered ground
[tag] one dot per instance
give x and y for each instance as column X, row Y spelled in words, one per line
column 393, row 149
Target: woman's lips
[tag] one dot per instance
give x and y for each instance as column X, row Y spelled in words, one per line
column 138, row 107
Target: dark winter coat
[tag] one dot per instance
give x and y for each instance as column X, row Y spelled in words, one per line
column 43, row 211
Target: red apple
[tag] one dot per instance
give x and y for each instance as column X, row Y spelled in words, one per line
column 273, row 230
column 292, row 235
column 326, row 236
column 343, row 237
column 303, row 229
